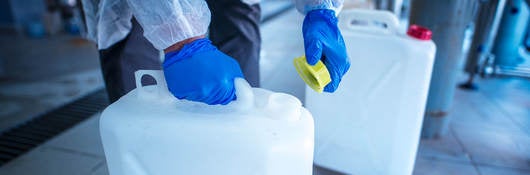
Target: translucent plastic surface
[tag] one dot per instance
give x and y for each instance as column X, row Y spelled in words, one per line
column 149, row 132
column 371, row 124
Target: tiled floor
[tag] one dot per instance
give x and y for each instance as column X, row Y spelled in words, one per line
column 489, row 133
column 76, row 151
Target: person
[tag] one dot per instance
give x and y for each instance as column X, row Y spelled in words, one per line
column 199, row 65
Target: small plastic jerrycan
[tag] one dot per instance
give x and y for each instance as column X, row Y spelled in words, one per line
column 150, row 132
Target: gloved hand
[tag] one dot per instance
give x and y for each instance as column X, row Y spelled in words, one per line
column 200, row 72
column 323, row 41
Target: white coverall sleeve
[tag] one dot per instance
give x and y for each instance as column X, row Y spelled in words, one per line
column 90, row 7
column 304, row 6
column 166, row 22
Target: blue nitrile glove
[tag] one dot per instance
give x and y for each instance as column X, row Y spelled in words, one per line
column 323, row 41
column 200, row 72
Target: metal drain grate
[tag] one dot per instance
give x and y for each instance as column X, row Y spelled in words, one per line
column 21, row 139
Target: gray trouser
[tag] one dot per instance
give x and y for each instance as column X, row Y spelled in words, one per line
column 234, row 30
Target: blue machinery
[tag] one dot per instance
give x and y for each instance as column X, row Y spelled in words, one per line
column 502, row 41
column 511, row 48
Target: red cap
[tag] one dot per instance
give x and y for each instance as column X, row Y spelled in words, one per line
column 419, row 32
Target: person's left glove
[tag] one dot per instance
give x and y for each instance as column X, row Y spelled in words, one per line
column 323, row 41
column 200, row 72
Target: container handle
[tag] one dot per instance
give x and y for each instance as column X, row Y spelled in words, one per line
column 244, row 93
column 160, row 89
column 368, row 21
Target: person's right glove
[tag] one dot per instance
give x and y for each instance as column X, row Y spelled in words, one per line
column 323, row 41
column 200, row 72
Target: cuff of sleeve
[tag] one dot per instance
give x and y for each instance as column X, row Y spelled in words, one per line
column 336, row 7
column 165, row 35
column 164, row 38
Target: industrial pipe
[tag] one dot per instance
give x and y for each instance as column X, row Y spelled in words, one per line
column 486, row 27
column 448, row 20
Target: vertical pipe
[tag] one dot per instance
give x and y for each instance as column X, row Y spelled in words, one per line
column 486, row 26
column 384, row 4
column 448, row 20
column 527, row 40
column 511, row 33
column 393, row 6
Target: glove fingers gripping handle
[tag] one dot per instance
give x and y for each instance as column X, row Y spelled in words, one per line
column 244, row 94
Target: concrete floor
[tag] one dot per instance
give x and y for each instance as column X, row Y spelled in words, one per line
column 489, row 132
column 42, row 74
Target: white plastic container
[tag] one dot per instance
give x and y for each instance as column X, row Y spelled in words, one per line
column 149, row 132
column 371, row 124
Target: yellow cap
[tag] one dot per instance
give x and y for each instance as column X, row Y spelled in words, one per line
column 317, row 76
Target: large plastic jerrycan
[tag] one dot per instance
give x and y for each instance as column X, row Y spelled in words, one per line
column 150, row 132
column 371, row 124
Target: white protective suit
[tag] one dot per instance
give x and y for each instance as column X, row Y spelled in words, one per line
column 165, row 22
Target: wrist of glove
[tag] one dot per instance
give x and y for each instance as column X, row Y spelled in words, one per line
column 200, row 72
column 323, row 41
